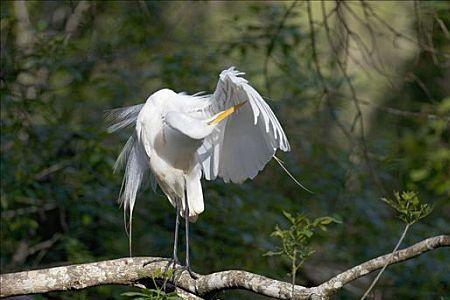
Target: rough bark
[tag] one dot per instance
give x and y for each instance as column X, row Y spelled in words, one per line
column 131, row 271
column 75, row 19
column 24, row 30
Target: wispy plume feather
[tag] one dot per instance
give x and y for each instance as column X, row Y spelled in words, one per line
column 132, row 157
column 119, row 118
column 281, row 163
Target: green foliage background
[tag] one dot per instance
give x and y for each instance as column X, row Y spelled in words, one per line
column 58, row 193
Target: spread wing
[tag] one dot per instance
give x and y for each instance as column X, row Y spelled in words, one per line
column 244, row 143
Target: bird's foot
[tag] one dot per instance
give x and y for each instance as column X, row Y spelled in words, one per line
column 193, row 275
column 174, row 269
column 189, row 270
column 173, row 266
column 170, row 269
column 172, row 261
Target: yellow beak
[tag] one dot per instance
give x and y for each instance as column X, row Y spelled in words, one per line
column 226, row 113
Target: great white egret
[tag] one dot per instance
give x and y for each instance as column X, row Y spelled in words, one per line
column 231, row 134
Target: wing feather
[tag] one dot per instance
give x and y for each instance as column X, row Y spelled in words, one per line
column 247, row 140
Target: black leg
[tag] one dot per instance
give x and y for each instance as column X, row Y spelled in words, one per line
column 186, row 219
column 174, row 261
column 175, row 241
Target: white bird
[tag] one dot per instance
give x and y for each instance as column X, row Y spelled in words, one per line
column 231, row 134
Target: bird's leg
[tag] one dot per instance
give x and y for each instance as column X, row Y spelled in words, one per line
column 175, row 241
column 186, row 219
column 174, row 261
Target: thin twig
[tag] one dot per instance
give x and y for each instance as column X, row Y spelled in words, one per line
column 398, row 34
column 27, row 210
column 359, row 115
column 272, row 41
column 320, row 74
column 387, row 263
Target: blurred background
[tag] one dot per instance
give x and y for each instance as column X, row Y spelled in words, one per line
column 361, row 88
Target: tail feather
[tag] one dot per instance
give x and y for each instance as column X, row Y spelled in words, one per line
column 136, row 167
column 132, row 157
column 124, row 154
column 122, row 117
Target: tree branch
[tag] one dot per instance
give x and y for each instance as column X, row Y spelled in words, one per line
column 24, row 35
column 330, row 287
column 75, row 19
column 131, row 271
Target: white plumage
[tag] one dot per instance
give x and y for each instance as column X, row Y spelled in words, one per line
column 179, row 137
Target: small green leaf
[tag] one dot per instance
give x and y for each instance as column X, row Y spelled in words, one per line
column 409, row 206
column 273, row 253
column 289, row 216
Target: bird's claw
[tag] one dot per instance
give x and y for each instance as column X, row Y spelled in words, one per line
column 173, row 261
column 189, row 270
column 171, row 264
column 175, row 265
column 192, row 274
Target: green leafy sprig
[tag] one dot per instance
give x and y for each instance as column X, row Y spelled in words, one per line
column 409, row 206
column 296, row 238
